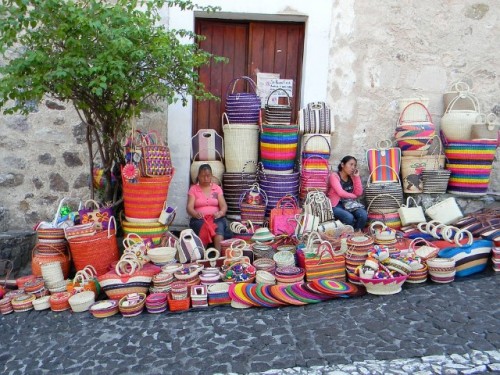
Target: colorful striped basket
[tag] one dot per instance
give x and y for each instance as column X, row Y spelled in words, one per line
column 144, row 198
column 470, row 163
column 147, row 231
column 278, row 148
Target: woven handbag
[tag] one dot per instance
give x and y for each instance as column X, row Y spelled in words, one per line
column 395, row 189
column 207, row 145
column 282, row 217
column 486, row 128
column 318, row 204
column 411, row 215
column 456, row 124
column 190, row 246
column 155, row 156
column 253, row 205
column 100, row 215
column 385, row 161
column 413, row 136
column 446, row 211
column 242, row 107
column 314, row 175
column 316, row 144
column 234, row 184
column 278, row 113
column 316, row 118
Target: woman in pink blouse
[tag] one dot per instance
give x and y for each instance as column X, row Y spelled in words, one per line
column 206, row 201
column 344, row 192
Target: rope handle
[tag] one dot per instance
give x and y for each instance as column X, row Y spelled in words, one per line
column 317, row 135
column 460, row 86
column 384, row 144
column 408, row 200
column 382, row 166
column 235, row 81
column 464, row 95
column 401, row 116
column 279, row 89
column 287, row 200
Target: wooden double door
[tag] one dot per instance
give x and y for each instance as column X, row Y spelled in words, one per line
column 250, row 47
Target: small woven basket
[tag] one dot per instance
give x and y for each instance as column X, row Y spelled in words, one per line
column 384, row 286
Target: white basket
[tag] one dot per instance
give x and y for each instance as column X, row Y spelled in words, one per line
column 446, row 211
column 241, row 145
column 81, row 302
column 384, row 286
column 41, row 303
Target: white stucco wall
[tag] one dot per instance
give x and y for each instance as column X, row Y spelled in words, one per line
column 317, row 16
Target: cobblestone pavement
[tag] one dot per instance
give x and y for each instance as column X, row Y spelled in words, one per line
column 425, row 329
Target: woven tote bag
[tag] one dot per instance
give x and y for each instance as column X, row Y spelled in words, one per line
column 253, row 205
column 385, row 161
column 394, row 189
column 316, row 145
column 316, row 118
column 411, row 215
column 461, row 91
column 413, row 136
column 241, row 143
column 148, row 231
column 282, row 217
column 456, row 124
column 207, row 145
column 242, row 107
column 99, row 250
column 446, row 212
column 278, row 113
column 216, row 165
column 414, row 113
column 486, row 127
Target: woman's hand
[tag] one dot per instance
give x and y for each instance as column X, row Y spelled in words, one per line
column 218, row 215
column 199, row 215
column 355, row 172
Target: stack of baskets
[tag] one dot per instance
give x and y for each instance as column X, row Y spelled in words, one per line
column 146, row 180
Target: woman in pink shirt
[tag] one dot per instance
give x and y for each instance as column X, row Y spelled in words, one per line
column 344, row 191
column 206, row 199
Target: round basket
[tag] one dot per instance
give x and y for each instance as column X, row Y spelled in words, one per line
column 6, row 306
column 104, row 309
column 60, row 301
column 384, row 286
column 418, row 276
column 265, row 277
column 23, row 302
column 41, row 303
column 162, row 254
column 81, row 302
column 132, row 304
column 284, row 258
column 265, row 264
column 398, row 266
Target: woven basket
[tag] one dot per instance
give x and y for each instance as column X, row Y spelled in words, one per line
column 145, row 198
column 384, row 286
column 461, row 92
column 278, row 148
column 218, row 294
column 414, row 112
column 241, row 144
column 81, row 302
column 253, row 205
column 278, row 113
column 152, row 231
column 457, row 124
column 217, row 167
column 178, row 304
column 242, row 107
column 99, row 250
column 130, row 310
column 37, row 259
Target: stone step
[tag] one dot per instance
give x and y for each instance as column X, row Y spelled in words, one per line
column 17, row 247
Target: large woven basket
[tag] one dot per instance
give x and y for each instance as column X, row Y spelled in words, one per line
column 147, row 231
column 37, row 259
column 99, row 250
column 278, row 148
column 243, row 107
column 278, row 113
column 145, row 198
column 241, row 144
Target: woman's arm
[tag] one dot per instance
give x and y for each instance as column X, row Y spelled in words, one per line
column 358, row 188
column 190, row 208
column 337, row 187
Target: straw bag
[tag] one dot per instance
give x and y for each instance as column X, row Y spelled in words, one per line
column 413, row 136
column 278, row 113
column 411, row 215
column 316, row 144
column 241, row 143
column 318, row 204
column 306, row 223
column 242, row 107
column 322, row 263
column 207, row 145
column 394, row 189
column 423, row 249
column 155, row 156
column 282, row 218
column 316, row 118
column 446, row 211
column 216, row 165
column 459, row 90
column 190, row 246
column 253, row 204
column 469, row 259
column 456, row 124
column 385, row 161
column 485, row 127
column 100, row 215
column 314, row 176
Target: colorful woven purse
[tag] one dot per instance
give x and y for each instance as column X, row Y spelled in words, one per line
column 242, row 107
column 253, row 204
column 156, row 160
column 282, row 218
column 385, row 161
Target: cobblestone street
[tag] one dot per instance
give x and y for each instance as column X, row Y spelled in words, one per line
column 425, row 329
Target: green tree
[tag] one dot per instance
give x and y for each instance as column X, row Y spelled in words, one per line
column 112, row 60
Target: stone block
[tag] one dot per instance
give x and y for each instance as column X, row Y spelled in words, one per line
column 17, row 246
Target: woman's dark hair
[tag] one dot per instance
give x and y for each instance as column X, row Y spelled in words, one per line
column 346, row 159
column 204, row 167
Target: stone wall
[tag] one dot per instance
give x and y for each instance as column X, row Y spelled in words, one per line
column 380, row 51
column 385, row 50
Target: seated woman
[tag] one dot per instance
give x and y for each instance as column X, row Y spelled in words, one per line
column 206, row 203
column 344, row 191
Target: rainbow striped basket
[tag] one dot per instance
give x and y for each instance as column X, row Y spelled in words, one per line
column 278, row 148
column 470, row 163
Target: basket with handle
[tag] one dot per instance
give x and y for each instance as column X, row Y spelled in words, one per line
column 242, row 107
column 207, row 145
column 459, row 90
column 234, row 184
column 372, row 190
column 456, row 124
column 216, row 165
column 316, row 144
column 413, row 136
column 241, row 143
column 278, row 113
column 414, row 113
column 155, row 156
column 486, row 127
column 253, row 204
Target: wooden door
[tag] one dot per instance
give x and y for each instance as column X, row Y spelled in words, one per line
column 251, row 47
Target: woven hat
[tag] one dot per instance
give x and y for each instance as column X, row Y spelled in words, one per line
column 262, row 235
